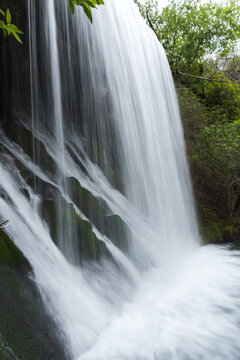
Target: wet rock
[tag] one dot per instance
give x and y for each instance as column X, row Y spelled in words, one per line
column 26, row 330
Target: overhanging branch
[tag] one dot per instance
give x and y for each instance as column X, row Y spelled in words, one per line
column 211, row 79
column 151, row 24
column 207, row 79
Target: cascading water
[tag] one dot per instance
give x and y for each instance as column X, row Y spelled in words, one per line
column 128, row 279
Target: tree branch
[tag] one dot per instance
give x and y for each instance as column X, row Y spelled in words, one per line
column 5, row 224
column 151, row 24
column 207, row 79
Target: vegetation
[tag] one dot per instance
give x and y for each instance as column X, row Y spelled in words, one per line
column 87, row 6
column 218, row 146
column 189, row 30
column 7, row 27
column 200, row 41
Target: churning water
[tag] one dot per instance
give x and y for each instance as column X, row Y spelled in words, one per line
column 105, row 125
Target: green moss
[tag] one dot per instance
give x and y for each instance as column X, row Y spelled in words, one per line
column 91, row 206
column 87, row 241
column 63, row 221
column 213, row 229
column 25, row 329
column 116, row 230
column 100, row 214
column 90, row 243
column 49, row 209
column 10, row 254
column 83, row 236
column 6, row 352
column 208, row 234
column 24, row 138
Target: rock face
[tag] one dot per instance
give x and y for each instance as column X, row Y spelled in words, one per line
column 14, row 75
column 26, row 331
column 11, row 256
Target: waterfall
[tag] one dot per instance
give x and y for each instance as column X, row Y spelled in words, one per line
column 100, row 199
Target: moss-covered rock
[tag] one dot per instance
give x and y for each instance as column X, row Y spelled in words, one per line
column 92, row 207
column 116, row 230
column 85, row 241
column 6, row 353
column 29, row 144
column 100, row 214
column 11, row 255
column 214, row 229
column 26, row 331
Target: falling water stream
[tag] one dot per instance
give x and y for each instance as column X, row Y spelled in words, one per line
column 104, row 116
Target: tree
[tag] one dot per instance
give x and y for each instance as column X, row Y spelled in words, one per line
column 200, row 41
column 7, row 27
column 218, row 147
column 223, row 98
column 189, row 30
column 87, row 6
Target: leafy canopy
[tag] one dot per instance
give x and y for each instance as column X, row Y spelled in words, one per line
column 190, row 30
column 223, row 98
column 87, row 6
column 221, row 144
column 7, row 27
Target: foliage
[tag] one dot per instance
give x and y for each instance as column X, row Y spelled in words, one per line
column 230, row 66
column 189, row 30
column 7, row 27
column 193, row 112
column 218, row 146
column 211, row 119
column 213, row 229
column 223, row 98
column 217, row 89
column 87, row 6
column 221, row 144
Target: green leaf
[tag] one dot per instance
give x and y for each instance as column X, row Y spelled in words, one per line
column 8, row 17
column 86, row 5
column 13, row 28
column 71, row 6
column 91, row 3
column 2, row 12
column 87, row 11
column 17, row 37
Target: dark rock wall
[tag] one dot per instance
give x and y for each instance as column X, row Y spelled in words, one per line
column 14, row 63
column 26, row 330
